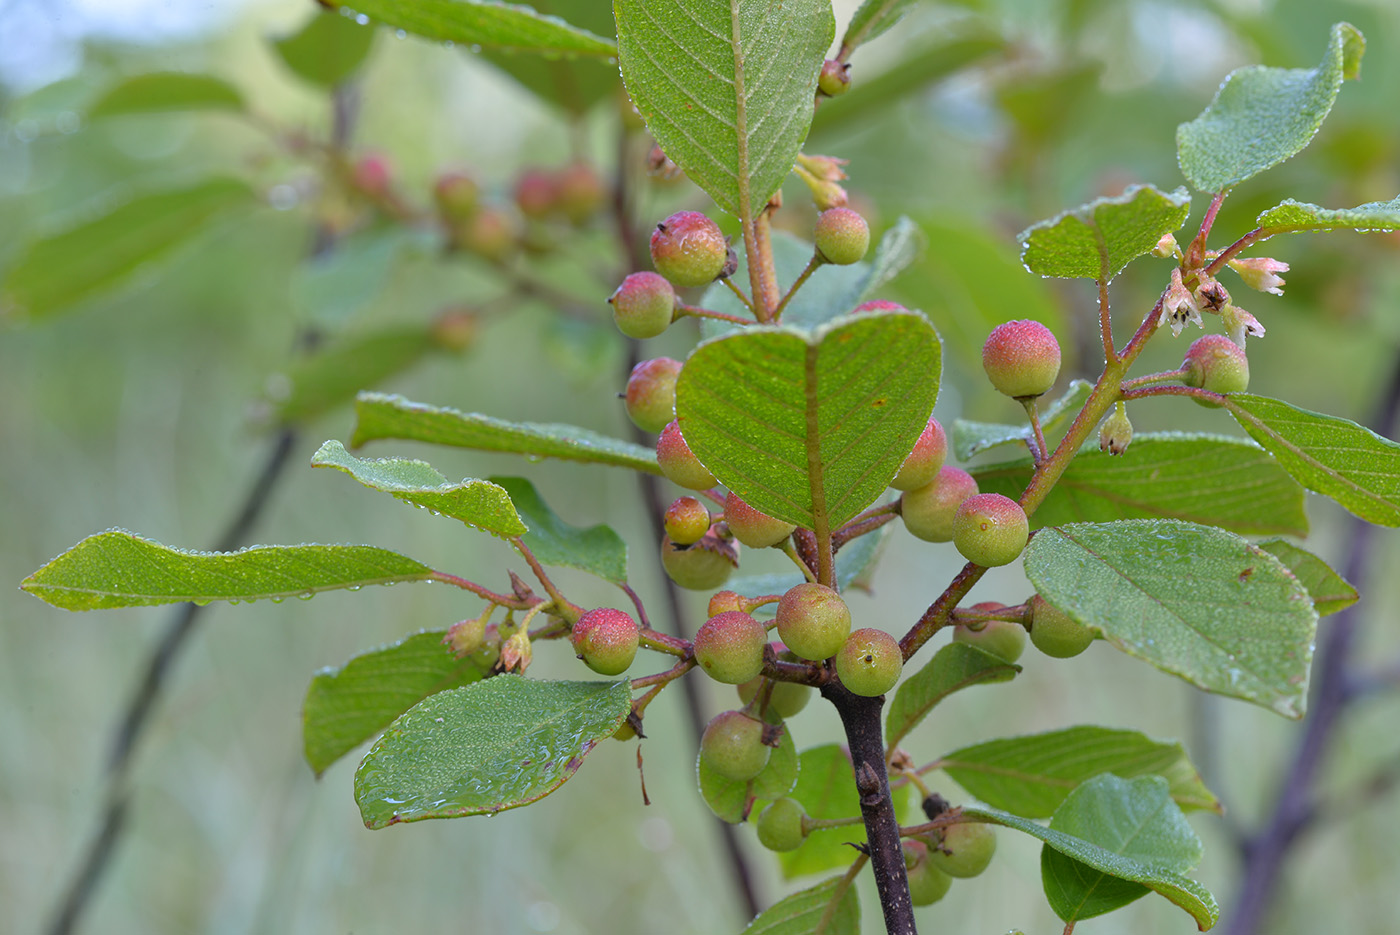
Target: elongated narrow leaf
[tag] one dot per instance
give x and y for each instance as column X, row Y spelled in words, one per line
column 379, row 416
column 735, row 802
column 1195, row 601
column 163, row 92
column 1292, row 217
column 574, row 85
column 484, row 23
column 344, row 707
column 119, row 569
column 496, row 744
column 1031, row 776
column 475, row 502
column 1180, row 890
column 1331, row 456
column 1133, row 819
column 1098, row 239
column 327, row 50
column 59, row 271
column 810, row 427
column 972, row 438
column 597, row 550
column 1210, row 479
column 1330, row 592
column 954, row 667
column 826, row 787
column 810, row 912
column 727, row 89
column 872, row 18
column 333, row 375
column 1262, row 116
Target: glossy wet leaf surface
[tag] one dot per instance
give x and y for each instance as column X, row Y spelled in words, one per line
column 1295, row 216
column 1096, row 240
column 483, row 24
column 1330, row 592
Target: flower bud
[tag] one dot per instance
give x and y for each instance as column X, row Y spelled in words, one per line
column 1116, row 431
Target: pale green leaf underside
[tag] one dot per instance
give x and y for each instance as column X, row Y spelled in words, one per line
column 346, row 706
column 1330, row 592
column 495, row 744
column 971, row 438
column 1291, row 217
column 872, row 19
column 334, row 374
column 953, row 667
column 734, row 801
column 1096, row 240
column 1133, row 819
column 119, row 569
column 1195, row 601
column 597, row 550
column 164, row 92
column 727, row 89
column 1210, row 479
column 1032, row 775
column 1328, row 455
column 378, row 416
column 327, row 50
column 1262, row 116
column 802, row 912
column 477, row 503
column 485, row 24
column 810, row 427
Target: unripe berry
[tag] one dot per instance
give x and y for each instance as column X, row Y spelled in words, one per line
column 879, row 305
column 455, row 329
column 990, row 529
column 536, row 193
column 1022, row 358
column 835, row 78
column 966, row 849
column 753, row 528
column 928, row 511
column 372, row 174
column 841, row 236
column 730, row 647
column 722, row 601
column 490, row 232
column 869, row 662
column 1055, row 632
column 1216, row 363
column 689, row 249
column 921, row 467
column 703, row 566
column 780, row 825
column 677, row 462
column 814, row 621
column 457, row 196
column 651, row 393
column 785, row 700
column 466, row 636
column 733, row 747
column 606, row 640
column 1116, row 432
column 643, row 305
column 927, row 884
column 1001, row 638
column 686, row 521
column 579, row 192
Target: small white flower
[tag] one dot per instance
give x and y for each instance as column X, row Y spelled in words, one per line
column 1239, row 324
column 1261, row 273
column 1179, row 306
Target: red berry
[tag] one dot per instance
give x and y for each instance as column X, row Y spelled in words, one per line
column 606, row 640
column 841, row 236
column 990, row 529
column 1022, row 358
column 489, row 232
column 721, row 601
column 686, row 521
column 372, row 174
column 536, row 193
column 928, row 511
column 835, row 78
column 813, row 620
column 730, row 647
column 580, row 192
column 689, row 249
column 879, row 305
column 651, row 393
column 677, row 461
column 643, row 305
column 921, row 467
column 1216, row 363
column 753, row 528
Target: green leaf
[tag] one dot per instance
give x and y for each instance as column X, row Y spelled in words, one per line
column 496, row 744
column 330, row 288
column 1290, row 217
column 165, row 92
column 576, row 84
column 872, row 19
column 1179, row 889
column 954, row 667
column 597, row 550
column 733, row 801
column 1194, row 601
column 333, row 375
column 802, row 912
column 380, row 416
column 327, row 50
column 972, row 438
column 826, row 787
column 854, row 561
column 1032, row 775
column 1134, row 820
column 484, row 23
column 1210, row 479
column 727, row 89
column 119, row 569
column 477, row 503
column 344, row 707
column 1330, row 592
column 1096, row 240
column 57, row 272
column 1262, row 116
column 809, row 427
column 1331, row 456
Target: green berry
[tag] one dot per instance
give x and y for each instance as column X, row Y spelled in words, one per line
column 785, row 700
column 842, row 236
column 733, row 747
column 928, row 511
column 1022, row 358
column 780, row 825
column 869, row 662
column 834, row 79
column 814, row 621
column 922, row 464
column 990, row 529
column 679, row 463
column 457, row 196
column 1001, row 638
column 606, row 640
column 704, row 566
column 643, row 305
column 651, row 393
column 689, row 249
column 966, row 849
column 1216, row 363
column 753, row 528
column 1056, row 633
column 686, row 521
column 730, row 647
column 927, row 884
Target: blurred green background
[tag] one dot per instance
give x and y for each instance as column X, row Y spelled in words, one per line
column 145, row 408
